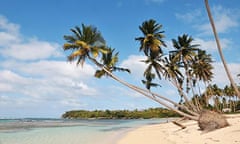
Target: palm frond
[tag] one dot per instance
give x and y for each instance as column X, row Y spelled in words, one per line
column 99, row 73
column 69, row 39
column 68, row 46
column 121, row 69
column 75, row 54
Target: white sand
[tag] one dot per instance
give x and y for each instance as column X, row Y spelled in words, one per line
column 169, row 133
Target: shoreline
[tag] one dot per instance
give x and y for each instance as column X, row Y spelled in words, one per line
column 168, row 133
column 74, row 132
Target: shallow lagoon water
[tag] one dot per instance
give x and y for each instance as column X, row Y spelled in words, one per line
column 58, row 131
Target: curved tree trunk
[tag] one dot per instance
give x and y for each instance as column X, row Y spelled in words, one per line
column 151, row 97
column 220, row 49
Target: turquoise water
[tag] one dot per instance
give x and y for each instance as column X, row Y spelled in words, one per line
column 49, row 131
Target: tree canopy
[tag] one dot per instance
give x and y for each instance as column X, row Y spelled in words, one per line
column 120, row 114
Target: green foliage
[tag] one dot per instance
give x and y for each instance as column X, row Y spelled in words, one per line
column 109, row 60
column 120, row 114
column 220, row 98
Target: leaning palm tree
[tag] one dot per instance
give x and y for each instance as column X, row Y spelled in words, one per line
column 151, row 44
column 220, row 49
column 87, row 43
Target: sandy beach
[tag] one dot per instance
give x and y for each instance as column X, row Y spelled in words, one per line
column 169, row 133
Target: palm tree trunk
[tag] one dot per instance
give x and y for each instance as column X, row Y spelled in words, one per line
column 195, row 98
column 151, row 96
column 220, row 49
column 170, row 101
column 188, row 102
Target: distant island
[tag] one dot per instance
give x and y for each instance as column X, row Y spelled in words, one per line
column 120, row 114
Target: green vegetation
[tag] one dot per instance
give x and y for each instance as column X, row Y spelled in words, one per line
column 220, row 99
column 120, row 114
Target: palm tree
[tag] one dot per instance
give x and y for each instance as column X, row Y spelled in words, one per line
column 184, row 54
column 220, row 49
column 202, row 68
column 151, row 44
column 228, row 93
column 109, row 60
column 149, row 78
column 151, row 41
column 85, row 41
column 88, row 43
column 184, row 57
column 172, row 71
column 217, row 93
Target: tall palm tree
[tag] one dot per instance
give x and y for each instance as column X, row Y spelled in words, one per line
column 87, row 42
column 220, row 49
column 151, row 41
column 201, row 70
column 184, row 57
column 185, row 50
column 184, row 54
column 151, row 44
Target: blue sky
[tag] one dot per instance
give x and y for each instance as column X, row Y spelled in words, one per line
column 36, row 80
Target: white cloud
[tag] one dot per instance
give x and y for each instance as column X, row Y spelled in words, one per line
column 220, row 76
column 210, row 45
column 8, row 26
column 189, row 17
column 32, row 78
column 31, row 50
column 49, row 68
column 52, row 88
column 133, row 62
column 7, row 38
column 14, row 45
column 225, row 20
column 9, row 32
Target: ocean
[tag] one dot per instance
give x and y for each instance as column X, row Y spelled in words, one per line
column 60, row 131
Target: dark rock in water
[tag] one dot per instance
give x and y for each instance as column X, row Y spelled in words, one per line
column 210, row 120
